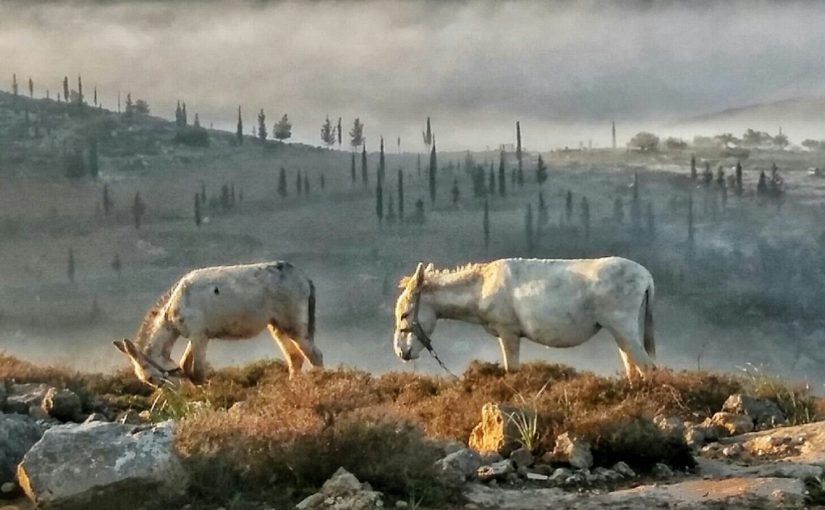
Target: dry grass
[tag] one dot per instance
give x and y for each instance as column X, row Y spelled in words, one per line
column 287, row 437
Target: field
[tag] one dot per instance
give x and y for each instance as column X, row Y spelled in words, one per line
column 747, row 291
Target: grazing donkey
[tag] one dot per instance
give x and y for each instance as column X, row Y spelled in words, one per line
column 553, row 302
column 230, row 303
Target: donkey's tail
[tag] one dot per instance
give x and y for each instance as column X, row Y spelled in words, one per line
column 311, row 312
column 650, row 344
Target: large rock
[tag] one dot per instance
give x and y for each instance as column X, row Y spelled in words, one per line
column 497, row 431
column 17, row 434
column 458, row 466
column 63, row 405
column 764, row 412
column 3, row 393
column 573, row 451
column 733, row 424
column 103, row 465
column 21, row 397
column 343, row 491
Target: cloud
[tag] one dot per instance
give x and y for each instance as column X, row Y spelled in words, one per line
column 475, row 67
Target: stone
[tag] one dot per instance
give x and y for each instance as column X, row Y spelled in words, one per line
column 497, row 431
column 38, row 413
column 734, row 450
column 458, row 466
column 764, row 412
column 449, row 447
column 536, row 476
column 63, row 405
column 343, row 491
column 669, row 425
column 661, row 470
column 496, row 470
column 573, row 451
column 694, row 435
column 3, row 394
column 560, row 475
column 733, row 424
column 522, row 457
column 8, row 488
column 607, row 475
column 624, row 470
column 92, row 465
column 23, row 396
column 95, row 417
column 18, row 434
column 128, row 417
column 401, row 504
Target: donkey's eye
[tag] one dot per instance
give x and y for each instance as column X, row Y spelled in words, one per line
column 404, row 315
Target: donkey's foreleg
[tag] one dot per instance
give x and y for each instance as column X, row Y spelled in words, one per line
column 193, row 361
column 510, row 345
column 293, row 357
column 310, row 351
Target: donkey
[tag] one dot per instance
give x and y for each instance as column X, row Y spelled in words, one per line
column 553, row 302
column 230, row 303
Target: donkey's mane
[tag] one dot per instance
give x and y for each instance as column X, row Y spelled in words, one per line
column 456, row 273
column 147, row 325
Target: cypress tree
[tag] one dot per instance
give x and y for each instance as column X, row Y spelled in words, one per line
column 520, row 176
column 418, row 165
column 690, row 238
column 79, row 91
column 379, row 202
column 541, row 171
column 14, row 86
column 262, row 134
column 31, row 88
column 282, row 188
column 401, row 195
column 116, row 264
column 502, row 181
column 364, row 172
column 66, row 89
column 455, row 191
column 492, row 181
column 586, row 217
column 693, row 174
column 203, row 193
column 94, row 93
column 433, row 169
column 239, row 131
column 197, row 210
column 738, row 178
column 339, row 132
column 381, row 163
column 486, row 224
column 529, row 233
column 568, row 207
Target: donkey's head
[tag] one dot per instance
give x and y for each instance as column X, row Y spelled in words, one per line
column 155, row 373
column 414, row 318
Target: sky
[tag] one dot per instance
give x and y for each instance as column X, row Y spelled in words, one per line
column 564, row 69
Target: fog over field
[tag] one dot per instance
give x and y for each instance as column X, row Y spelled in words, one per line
column 565, row 69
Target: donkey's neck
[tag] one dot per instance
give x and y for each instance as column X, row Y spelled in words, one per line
column 454, row 295
column 159, row 340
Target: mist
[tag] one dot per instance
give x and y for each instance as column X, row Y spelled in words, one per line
column 564, row 69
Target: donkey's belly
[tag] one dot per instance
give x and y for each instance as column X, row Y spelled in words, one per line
column 235, row 328
column 562, row 333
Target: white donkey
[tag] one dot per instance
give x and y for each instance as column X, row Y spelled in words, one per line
column 557, row 303
column 231, row 303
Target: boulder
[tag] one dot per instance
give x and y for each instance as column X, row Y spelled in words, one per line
column 495, row 471
column 343, row 491
column 497, row 431
column 764, row 412
column 661, row 470
column 624, row 470
column 63, row 405
column 458, row 466
column 17, row 435
column 522, row 457
column 573, row 451
column 103, row 465
column 733, row 424
column 694, row 435
column 23, row 396
column 669, row 425
column 3, row 394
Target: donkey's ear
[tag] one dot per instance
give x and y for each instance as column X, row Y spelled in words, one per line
column 419, row 274
column 120, row 346
column 131, row 350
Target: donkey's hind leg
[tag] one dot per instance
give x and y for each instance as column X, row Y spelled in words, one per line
column 309, row 350
column 510, row 351
column 293, row 357
column 629, row 340
column 193, row 361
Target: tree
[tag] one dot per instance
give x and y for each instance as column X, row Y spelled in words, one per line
column 31, row 88
column 529, row 232
column 486, row 224
column 327, row 133
column 239, row 130
column 781, row 141
column 365, row 178
column 108, row 204
column 197, row 210
column 568, row 207
column 282, row 189
column 644, row 142
column 675, row 144
column 379, row 201
column 94, row 93
column 491, row 185
column 455, row 192
column 178, row 116
column 197, row 122
column 502, row 178
column 418, row 165
column 93, row 159
column 585, row 217
column 282, row 129
column 401, row 195
column 433, row 169
column 739, row 178
column 693, row 174
column 262, row 134
column 544, row 215
column 618, row 211
column 79, row 91
column 356, row 134
column 339, row 132
column 520, row 175
column 762, row 185
column 70, row 267
column 66, row 88
column 352, row 169
column 541, row 171
column 14, row 86
column 427, row 134
column 381, row 163
column 707, row 175
column 690, row 239
column 138, row 210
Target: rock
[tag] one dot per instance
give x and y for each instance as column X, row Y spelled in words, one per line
column 522, row 457
column 95, row 417
column 733, row 450
column 494, row 471
column 3, row 394
column 457, row 467
column 17, row 435
column 661, row 470
column 490, row 457
column 694, row 435
column 560, row 475
column 624, row 470
column 8, row 488
column 449, row 447
column 572, row 451
column 38, row 413
column 129, row 417
column 343, row 491
column 733, row 424
column 764, row 412
column 607, row 475
column 23, row 396
column 497, row 431
column 536, row 476
column 671, row 426
column 92, row 464
column 63, row 405
column 401, row 504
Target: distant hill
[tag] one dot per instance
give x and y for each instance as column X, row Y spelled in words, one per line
column 797, row 110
